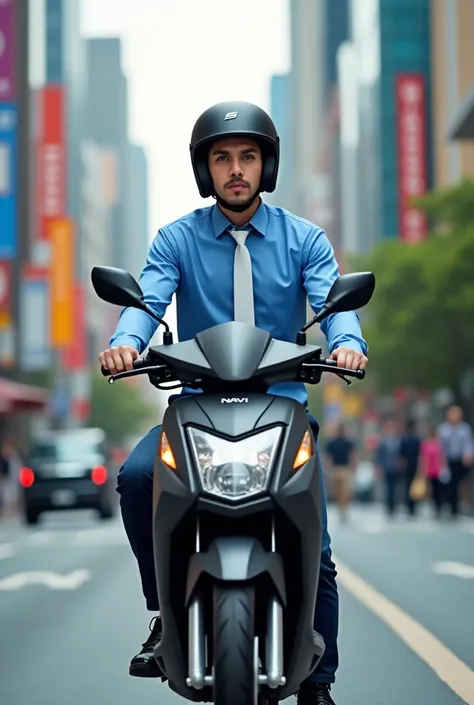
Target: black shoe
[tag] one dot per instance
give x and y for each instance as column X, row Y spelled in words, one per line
column 315, row 694
column 143, row 664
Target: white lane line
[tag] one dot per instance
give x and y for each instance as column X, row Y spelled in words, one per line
column 41, row 538
column 7, row 550
column 459, row 570
column 53, row 581
column 78, row 537
column 447, row 666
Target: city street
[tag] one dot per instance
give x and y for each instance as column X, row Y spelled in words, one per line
column 71, row 612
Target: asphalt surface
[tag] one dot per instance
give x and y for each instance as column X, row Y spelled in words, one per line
column 67, row 632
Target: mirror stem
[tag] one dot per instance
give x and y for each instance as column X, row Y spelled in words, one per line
column 309, row 324
column 151, row 313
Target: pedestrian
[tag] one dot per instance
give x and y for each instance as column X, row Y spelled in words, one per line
column 432, row 463
column 458, row 443
column 4, row 477
column 409, row 453
column 387, row 460
column 340, row 452
column 10, row 464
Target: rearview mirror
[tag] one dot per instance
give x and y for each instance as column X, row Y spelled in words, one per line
column 349, row 292
column 116, row 286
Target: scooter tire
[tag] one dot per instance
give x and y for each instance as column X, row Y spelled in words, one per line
column 234, row 645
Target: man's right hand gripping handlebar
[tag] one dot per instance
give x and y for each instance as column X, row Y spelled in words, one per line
column 118, row 359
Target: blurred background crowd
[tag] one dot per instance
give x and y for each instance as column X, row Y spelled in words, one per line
column 375, row 110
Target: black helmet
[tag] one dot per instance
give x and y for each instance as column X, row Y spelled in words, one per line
column 234, row 119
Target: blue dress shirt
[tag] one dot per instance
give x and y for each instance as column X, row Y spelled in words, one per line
column 292, row 260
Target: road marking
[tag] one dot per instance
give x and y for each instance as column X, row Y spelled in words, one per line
column 54, row 581
column 98, row 537
column 447, row 666
column 41, row 538
column 460, row 570
column 7, row 550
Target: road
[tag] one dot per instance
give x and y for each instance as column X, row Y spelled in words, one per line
column 69, row 639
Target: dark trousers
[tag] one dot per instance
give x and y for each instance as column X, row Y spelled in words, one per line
column 437, row 495
column 408, row 477
column 391, row 489
column 458, row 472
column 135, row 485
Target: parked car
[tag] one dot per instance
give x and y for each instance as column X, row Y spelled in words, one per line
column 68, row 470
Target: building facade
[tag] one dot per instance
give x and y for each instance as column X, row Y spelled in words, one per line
column 107, row 125
column 452, row 24
column 138, row 240
column 393, row 127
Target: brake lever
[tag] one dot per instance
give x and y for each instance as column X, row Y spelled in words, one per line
column 346, row 379
column 138, row 371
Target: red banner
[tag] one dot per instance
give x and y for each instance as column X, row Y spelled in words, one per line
column 412, row 159
column 50, row 158
column 5, row 293
column 75, row 356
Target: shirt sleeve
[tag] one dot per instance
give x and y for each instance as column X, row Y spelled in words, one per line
column 158, row 280
column 320, row 270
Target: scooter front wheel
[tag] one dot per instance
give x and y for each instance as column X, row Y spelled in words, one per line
column 235, row 667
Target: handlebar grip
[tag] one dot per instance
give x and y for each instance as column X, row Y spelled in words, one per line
column 137, row 364
column 360, row 374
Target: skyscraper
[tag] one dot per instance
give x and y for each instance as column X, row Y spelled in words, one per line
column 280, row 111
column 107, row 126
column 453, row 90
column 391, row 130
column 139, row 234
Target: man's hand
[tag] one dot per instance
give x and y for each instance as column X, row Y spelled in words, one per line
column 119, row 359
column 350, row 359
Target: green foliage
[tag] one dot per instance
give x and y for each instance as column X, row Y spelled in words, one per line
column 43, row 379
column 420, row 328
column 452, row 208
column 119, row 409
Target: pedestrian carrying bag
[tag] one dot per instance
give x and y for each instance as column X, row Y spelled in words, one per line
column 419, row 488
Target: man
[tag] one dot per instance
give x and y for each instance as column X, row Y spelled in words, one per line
column 458, row 444
column 410, row 444
column 389, row 464
column 340, row 452
column 235, row 156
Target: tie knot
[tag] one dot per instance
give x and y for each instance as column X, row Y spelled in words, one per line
column 240, row 236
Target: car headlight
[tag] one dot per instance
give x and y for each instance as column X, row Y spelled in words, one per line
column 234, row 469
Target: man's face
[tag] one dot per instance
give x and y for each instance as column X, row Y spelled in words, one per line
column 390, row 428
column 454, row 414
column 236, row 168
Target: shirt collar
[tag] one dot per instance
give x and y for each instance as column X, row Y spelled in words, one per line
column 259, row 221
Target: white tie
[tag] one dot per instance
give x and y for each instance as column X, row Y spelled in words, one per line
column 243, row 284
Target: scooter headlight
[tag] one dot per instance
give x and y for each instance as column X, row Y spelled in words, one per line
column 234, row 469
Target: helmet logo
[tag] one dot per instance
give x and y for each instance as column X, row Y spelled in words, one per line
column 231, row 116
